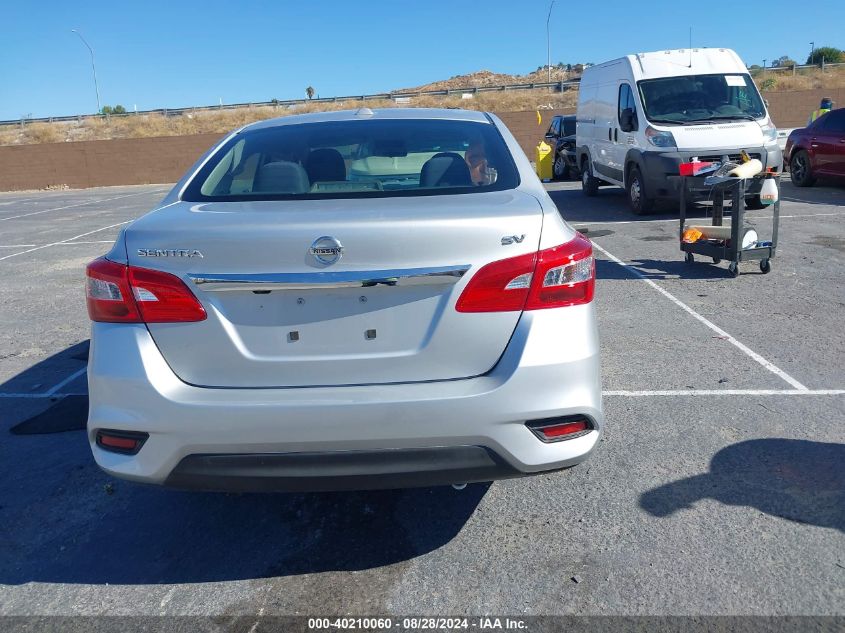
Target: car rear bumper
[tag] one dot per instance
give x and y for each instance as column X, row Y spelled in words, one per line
column 346, row 437
column 340, row 470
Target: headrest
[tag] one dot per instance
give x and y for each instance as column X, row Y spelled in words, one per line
column 281, row 177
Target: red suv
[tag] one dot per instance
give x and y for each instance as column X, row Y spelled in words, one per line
column 818, row 150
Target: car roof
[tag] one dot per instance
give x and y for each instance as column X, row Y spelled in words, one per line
column 363, row 113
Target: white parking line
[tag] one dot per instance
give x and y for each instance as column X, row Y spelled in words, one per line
column 16, row 245
column 676, row 221
column 52, row 390
column 39, row 396
column 70, row 239
column 92, row 242
column 2, row 204
column 726, row 392
column 81, row 204
column 746, row 350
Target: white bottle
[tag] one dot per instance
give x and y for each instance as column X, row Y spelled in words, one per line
column 769, row 191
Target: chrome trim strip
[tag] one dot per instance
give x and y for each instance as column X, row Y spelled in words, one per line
column 330, row 279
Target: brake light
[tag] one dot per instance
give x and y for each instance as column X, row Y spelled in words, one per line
column 118, row 293
column 560, row 276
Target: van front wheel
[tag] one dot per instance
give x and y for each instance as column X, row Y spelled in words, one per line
column 640, row 204
column 589, row 185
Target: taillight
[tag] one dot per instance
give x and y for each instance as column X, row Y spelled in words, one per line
column 125, row 294
column 560, row 276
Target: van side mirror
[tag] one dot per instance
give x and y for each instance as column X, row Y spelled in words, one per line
column 628, row 120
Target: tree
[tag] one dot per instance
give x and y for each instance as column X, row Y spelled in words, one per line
column 829, row 54
column 309, row 92
column 784, row 61
column 107, row 109
column 118, row 109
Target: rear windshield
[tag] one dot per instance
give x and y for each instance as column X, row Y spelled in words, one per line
column 355, row 159
column 698, row 98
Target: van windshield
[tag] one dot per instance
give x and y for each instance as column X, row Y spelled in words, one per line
column 699, row 98
column 354, row 159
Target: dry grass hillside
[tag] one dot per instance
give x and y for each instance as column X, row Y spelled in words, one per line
column 220, row 121
column 135, row 126
column 484, row 78
column 769, row 81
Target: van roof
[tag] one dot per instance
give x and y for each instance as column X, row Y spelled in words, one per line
column 671, row 63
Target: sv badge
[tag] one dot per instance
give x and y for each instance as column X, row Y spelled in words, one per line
column 512, row 239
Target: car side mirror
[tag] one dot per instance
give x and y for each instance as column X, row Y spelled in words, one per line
column 628, row 120
column 549, row 136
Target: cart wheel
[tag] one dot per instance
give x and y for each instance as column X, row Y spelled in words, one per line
column 716, row 260
column 765, row 266
column 733, row 269
column 689, row 259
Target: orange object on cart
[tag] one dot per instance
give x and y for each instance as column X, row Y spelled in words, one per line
column 691, row 236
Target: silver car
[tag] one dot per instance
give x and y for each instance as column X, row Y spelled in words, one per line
column 347, row 300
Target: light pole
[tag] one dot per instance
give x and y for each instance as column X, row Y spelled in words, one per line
column 812, row 50
column 93, row 68
column 549, row 42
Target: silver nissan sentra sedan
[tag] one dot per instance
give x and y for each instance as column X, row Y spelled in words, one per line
column 347, row 300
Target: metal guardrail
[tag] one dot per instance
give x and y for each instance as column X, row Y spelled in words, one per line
column 561, row 85
column 777, row 69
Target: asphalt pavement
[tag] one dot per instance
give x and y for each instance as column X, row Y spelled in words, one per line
column 718, row 488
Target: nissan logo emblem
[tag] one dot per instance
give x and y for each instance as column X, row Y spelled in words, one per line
column 326, row 250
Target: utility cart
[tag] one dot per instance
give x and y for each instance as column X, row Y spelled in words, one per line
column 731, row 247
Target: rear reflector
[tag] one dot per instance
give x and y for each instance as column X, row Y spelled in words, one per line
column 126, row 294
column 127, row 442
column 560, row 276
column 557, row 429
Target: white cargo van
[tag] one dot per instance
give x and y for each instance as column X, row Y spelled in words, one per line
column 640, row 116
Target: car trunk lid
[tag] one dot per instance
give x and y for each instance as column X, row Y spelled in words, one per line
column 384, row 312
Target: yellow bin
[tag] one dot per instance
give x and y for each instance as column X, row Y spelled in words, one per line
column 545, row 161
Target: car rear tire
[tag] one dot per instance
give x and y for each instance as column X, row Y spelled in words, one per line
column 800, row 170
column 589, row 185
column 637, row 199
column 561, row 169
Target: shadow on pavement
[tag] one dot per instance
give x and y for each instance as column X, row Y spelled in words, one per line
column 76, row 525
column 797, row 480
column 666, row 269
column 611, row 205
column 64, row 521
column 827, row 192
column 48, row 372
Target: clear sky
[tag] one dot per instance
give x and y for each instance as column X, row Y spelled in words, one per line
column 179, row 53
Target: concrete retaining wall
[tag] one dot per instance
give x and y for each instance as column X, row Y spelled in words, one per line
column 165, row 159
